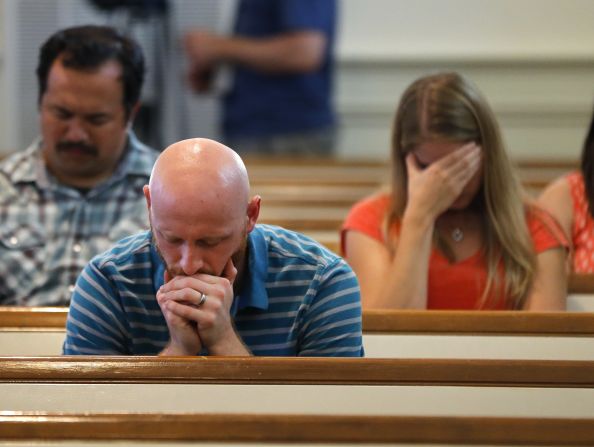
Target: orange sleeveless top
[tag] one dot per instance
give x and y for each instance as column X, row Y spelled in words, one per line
column 458, row 285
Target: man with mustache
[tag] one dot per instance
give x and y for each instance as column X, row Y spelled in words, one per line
column 207, row 280
column 78, row 188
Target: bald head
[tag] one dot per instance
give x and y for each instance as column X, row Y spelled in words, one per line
column 199, row 208
column 201, row 172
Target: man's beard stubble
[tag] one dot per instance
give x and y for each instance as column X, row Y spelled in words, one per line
column 238, row 257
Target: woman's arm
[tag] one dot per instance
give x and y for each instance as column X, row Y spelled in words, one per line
column 401, row 281
column 549, row 291
column 392, row 283
column 557, row 200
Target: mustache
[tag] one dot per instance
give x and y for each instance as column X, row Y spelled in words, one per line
column 77, row 145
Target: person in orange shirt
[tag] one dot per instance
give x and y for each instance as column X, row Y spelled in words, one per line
column 455, row 231
column 570, row 199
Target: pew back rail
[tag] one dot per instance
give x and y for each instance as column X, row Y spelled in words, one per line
column 290, row 370
column 289, row 428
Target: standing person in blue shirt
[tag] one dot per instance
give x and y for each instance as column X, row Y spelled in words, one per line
column 78, row 188
column 207, row 280
column 280, row 101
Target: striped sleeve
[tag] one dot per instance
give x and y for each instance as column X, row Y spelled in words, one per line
column 334, row 325
column 96, row 324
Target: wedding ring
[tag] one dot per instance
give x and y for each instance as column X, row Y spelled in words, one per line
column 202, row 300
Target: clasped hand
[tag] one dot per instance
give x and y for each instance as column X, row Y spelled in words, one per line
column 193, row 327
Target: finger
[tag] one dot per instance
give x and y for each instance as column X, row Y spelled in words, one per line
column 209, row 280
column 230, row 272
column 183, row 282
column 412, row 165
column 452, row 160
column 166, row 276
column 457, row 160
column 183, row 312
column 468, row 146
column 187, row 296
column 467, row 161
column 160, row 296
column 163, row 304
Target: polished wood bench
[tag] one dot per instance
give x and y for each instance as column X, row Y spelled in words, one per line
column 327, row 182
column 312, row 195
column 321, row 172
column 308, row 386
column 290, row 429
column 304, row 218
column 361, row 171
column 32, row 330
column 580, row 290
column 474, row 334
column 392, row 334
column 316, row 194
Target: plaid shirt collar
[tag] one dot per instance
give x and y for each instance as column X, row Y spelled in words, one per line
column 135, row 162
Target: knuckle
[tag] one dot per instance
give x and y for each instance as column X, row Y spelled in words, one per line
column 208, row 320
column 183, row 282
column 217, row 305
column 466, row 163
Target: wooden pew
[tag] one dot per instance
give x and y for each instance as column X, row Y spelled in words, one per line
column 306, row 386
column 296, row 429
column 181, row 430
column 282, row 172
column 392, row 334
column 361, row 171
column 580, row 296
column 312, row 195
column 484, row 334
column 316, row 195
column 32, row 330
column 331, row 182
column 317, row 171
column 304, row 218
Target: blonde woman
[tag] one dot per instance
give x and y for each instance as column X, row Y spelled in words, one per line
column 454, row 232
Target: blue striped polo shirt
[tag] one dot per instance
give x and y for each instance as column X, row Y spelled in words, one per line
column 298, row 299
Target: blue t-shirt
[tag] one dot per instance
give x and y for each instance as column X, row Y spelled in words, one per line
column 259, row 104
column 298, row 299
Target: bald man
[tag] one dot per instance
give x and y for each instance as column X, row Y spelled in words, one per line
column 206, row 279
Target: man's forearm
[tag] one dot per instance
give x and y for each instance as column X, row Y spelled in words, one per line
column 299, row 52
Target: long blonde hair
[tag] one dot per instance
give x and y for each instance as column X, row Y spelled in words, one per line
column 447, row 106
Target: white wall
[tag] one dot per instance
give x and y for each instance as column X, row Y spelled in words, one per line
column 533, row 59
column 477, row 28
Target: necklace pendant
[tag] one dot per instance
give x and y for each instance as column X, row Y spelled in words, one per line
column 457, row 235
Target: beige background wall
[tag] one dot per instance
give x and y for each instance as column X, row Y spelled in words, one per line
column 479, row 28
column 533, row 59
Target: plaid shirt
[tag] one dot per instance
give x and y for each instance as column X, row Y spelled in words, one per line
column 49, row 231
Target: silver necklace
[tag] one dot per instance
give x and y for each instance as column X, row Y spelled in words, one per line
column 457, row 234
